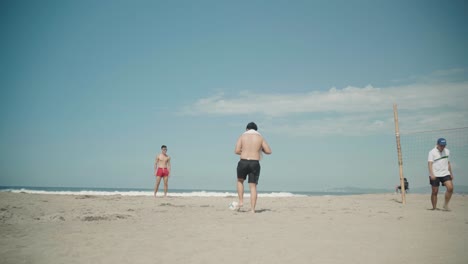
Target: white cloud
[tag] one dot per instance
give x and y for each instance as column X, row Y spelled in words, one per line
column 351, row 110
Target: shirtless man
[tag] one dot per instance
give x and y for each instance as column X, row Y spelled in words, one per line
column 249, row 146
column 162, row 169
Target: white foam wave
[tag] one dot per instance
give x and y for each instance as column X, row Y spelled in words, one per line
column 84, row 192
column 150, row 193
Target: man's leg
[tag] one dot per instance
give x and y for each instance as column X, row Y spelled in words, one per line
column 253, row 196
column 240, row 191
column 156, row 186
column 166, row 179
column 448, row 193
column 435, row 191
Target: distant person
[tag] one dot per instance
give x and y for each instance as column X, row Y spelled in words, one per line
column 440, row 171
column 398, row 187
column 249, row 146
column 162, row 169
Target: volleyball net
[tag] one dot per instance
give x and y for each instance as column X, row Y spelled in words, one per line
column 415, row 147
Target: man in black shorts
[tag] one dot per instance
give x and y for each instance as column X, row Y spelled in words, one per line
column 249, row 146
column 440, row 171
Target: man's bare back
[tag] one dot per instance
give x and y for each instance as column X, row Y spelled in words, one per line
column 250, row 145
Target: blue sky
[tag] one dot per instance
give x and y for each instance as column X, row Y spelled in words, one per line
column 90, row 90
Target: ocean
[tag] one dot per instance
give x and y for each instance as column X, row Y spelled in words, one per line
column 176, row 192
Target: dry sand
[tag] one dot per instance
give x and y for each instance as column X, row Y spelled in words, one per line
column 377, row 228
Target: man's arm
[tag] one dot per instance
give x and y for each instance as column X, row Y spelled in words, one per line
column 450, row 170
column 238, row 149
column 168, row 166
column 431, row 173
column 265, row 147
column 156, row 162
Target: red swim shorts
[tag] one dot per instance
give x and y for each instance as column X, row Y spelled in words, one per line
column 162, row 172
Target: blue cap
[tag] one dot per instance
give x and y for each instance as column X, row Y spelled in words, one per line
column 442, row 142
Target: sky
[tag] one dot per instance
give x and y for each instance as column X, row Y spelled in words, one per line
column 90, row 90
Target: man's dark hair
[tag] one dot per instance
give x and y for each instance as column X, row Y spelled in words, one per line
column 163, row 146
column 252, row 125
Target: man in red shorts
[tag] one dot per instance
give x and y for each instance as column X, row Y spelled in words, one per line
column 162, row 169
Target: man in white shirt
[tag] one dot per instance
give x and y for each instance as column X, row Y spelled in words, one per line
column 440, row 171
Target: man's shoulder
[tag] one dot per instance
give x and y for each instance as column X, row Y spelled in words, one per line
column 251, row 135
column 433, row 153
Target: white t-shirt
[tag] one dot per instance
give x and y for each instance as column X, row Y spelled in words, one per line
column 440, row 161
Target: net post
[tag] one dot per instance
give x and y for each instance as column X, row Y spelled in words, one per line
column 400, row 159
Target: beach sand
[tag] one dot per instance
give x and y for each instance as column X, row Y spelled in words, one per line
column 375, row 228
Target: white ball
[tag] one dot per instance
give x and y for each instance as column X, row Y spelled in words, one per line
column 233, row 205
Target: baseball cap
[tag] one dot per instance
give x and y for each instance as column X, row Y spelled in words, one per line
column 442, row 142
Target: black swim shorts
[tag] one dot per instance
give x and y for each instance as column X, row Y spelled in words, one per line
column 248, row 167
column 438, row 180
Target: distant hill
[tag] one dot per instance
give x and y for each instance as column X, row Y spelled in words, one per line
column 461, row 189
column 358, row 190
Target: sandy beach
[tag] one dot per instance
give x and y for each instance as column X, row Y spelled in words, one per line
column 376, row 228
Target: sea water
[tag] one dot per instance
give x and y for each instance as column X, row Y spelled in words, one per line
column 171, row 192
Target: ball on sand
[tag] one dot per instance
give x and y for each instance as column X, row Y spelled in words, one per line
column 233, row 205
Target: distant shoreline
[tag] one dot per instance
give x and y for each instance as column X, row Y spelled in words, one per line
column 208, row 193
column 175, row 192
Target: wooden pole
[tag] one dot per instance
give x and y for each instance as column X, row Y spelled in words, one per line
column 400, row 159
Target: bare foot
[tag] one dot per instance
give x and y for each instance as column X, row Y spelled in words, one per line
column 446, row 208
